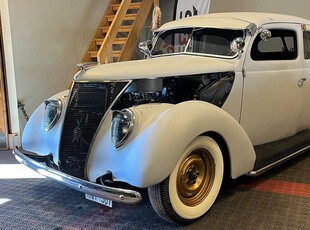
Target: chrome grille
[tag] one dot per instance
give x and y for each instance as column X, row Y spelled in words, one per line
column 86, row 107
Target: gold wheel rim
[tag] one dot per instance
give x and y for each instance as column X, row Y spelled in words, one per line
column 195, row 177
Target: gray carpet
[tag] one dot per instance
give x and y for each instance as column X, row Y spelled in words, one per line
column 40, row 203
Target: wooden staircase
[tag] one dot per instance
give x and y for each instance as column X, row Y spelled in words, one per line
column 118, row 32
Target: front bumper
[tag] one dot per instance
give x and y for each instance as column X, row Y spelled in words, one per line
column 115, row 194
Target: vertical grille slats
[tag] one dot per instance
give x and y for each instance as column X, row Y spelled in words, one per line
column 87, row 105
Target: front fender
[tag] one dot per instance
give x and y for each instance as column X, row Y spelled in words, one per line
column 158, row 140
column 36, row 139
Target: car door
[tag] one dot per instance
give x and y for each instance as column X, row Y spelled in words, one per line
column 305, row 81
column 271, row 104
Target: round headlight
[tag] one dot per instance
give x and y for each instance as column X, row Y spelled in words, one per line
column 52, row 113
column 122, row 125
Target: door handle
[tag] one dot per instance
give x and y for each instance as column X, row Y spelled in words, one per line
column 301, row 81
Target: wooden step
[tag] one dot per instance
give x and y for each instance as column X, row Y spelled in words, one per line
column 120, row 41
column 92, row 54
column 132, row 6
column 117, row 41
column 98, row 41
column 122, row 29
column 128, row 17
column 117, row 54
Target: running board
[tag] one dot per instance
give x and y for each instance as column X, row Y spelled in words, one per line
column 257, row 172
column 272, row 154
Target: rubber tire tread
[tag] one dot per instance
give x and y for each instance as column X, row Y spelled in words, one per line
column 160, row 201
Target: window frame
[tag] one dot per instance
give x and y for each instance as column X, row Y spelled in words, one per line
column 306, row 46
column 285, row 55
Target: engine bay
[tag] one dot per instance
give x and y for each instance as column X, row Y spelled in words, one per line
column 213, row 88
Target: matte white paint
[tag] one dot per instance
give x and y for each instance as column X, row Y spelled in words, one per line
column 173, row 65
column 205, row 21
column 272, row 99
column 235, row 20
column 304, row 120
column 36, row 139
column 162, row 133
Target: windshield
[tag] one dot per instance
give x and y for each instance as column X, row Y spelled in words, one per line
column 208, row 41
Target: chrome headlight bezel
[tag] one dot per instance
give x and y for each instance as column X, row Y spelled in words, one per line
column 54, row 106
column 122, row 125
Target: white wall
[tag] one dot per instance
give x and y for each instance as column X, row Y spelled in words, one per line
column 300, row 8
column 43, row 41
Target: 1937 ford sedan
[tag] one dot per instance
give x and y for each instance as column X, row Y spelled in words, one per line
column 220, row 95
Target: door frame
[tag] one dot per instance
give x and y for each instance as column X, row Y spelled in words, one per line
column 3, row 103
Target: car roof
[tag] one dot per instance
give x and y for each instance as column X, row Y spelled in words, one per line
column 233, row 20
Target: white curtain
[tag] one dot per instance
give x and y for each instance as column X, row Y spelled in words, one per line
column 188, row 8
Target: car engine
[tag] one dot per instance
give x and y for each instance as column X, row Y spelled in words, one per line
column 213, row 88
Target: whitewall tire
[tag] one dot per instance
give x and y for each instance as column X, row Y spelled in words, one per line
column 193, row 185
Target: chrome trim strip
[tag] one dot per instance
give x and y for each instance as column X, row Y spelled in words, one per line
column 115, row 194
column 102, row 120
column 211, row 55
column 157, row 35
column 197, row 54
column 258, row 172
column 64, row 112
column 100, row 81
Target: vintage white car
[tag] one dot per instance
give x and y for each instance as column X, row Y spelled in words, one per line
column 219, row 95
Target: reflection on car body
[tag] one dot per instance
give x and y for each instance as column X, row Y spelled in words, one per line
column 219, row 95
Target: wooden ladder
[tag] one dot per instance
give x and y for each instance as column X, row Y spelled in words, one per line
column 118, row 32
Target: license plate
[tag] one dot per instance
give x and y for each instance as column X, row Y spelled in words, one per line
column 99, row 200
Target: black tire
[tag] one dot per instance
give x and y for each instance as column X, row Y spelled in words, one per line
column 193, row 185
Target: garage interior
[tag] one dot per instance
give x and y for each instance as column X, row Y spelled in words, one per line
column 34, row 66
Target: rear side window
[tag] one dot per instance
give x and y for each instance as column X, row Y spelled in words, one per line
column 281, row 46
column 307, row 44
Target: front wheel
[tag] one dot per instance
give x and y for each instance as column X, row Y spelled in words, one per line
column 193, row 185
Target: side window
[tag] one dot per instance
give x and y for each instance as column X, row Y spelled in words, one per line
column 281, row 46
column 307, row 44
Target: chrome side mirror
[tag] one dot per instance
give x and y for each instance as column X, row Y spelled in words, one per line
column 146, row 47
column 265, row 35
column 237, row 45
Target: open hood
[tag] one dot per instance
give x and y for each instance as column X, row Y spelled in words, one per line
column 175, row 65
